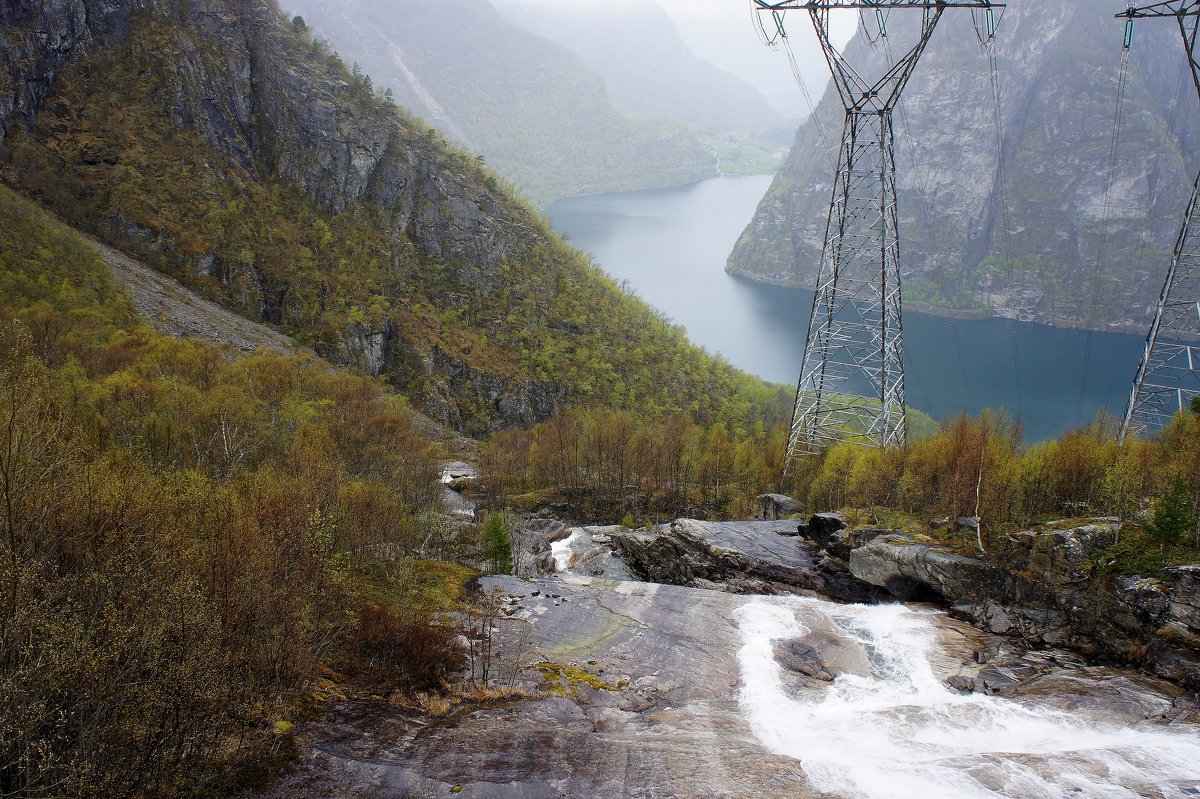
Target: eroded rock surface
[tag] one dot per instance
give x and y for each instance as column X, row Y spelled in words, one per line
column 1050, row 594
column 644, row 691
column 649, row 709
column 760, row 557
column 905, row 566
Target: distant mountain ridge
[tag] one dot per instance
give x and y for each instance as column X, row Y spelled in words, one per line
column 645, row 63
column 534, row 110
column 1059, row 65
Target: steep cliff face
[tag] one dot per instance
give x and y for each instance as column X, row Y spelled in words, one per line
column 536, row 111
column 224, row 145
column 231, row 72
column 1058, row 64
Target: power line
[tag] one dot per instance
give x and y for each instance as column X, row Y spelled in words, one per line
column 773, row 40
column 1122, row 82
column 927, row 216
column 989, row 46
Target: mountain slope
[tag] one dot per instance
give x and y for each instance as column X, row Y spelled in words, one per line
column 176, row 310
column 224, row 146
column 192, row 536
column 1059, row 66
column 535, row 111
column 647, row 67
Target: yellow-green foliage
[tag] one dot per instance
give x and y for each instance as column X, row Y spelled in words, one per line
column 183, row 534
column 608, row 463
column 982, row 462
column 430, row 585
column 109, row 155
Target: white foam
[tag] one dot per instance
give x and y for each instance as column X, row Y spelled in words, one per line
column 901, row 732
column 561, row 550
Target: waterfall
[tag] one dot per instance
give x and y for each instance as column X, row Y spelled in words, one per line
column 561, row 550
column 900, row 732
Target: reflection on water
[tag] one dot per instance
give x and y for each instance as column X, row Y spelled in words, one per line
column 671, row 245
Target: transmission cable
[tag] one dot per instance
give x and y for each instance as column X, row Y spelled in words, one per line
column 1147, row 238
column 927, row 216
column 1006, row 215
column 774, row 41
column 1122, row 82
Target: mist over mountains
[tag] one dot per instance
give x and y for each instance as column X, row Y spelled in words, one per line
column 645, row 63
column 576, row 115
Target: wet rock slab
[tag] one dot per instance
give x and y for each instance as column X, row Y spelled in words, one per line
column 657, row 717
column 760, row 557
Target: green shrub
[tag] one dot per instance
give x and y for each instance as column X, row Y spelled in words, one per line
column 1173, row 517
column 496, row 545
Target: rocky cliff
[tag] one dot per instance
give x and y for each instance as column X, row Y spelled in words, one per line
column 1058, row 68
column 535, row 110
column 219, row 142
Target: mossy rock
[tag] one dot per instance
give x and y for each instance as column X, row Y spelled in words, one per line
column 563, row 680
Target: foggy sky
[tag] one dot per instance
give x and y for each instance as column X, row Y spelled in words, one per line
column 723, row 32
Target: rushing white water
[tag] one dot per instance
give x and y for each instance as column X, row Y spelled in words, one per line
column 900, row 732
column 561, row 550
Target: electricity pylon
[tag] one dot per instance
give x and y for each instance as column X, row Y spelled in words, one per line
column 851, row 384
column 1168, row 377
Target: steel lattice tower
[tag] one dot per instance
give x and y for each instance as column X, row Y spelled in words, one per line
column 1168, row 377
column 855, row 336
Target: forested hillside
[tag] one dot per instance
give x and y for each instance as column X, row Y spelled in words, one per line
column 191, row 539
column 533, row 109
column 236, row 562
column 224, row 145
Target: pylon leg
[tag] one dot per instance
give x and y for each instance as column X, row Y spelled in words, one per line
column 1168, row 377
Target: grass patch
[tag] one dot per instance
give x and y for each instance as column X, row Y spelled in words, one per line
column 433, row 586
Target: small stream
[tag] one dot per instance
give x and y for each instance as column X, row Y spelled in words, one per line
column 587, row 553
column 889, row 727
column 454, row 502
column 562, row 552
column 900, row 731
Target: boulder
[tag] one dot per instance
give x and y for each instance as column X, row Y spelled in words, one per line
column 1062, row 556
column 1144, row 595
column 823, row 654
column 772, row 507
column 537, row 536
column 1175, row 660
column 1184, row 597
column 828, row 532
column 906, row 568
column 741, row 557
column 823, row 525
column 803, row 659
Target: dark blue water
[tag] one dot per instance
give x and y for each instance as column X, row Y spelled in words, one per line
column 671, row 245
